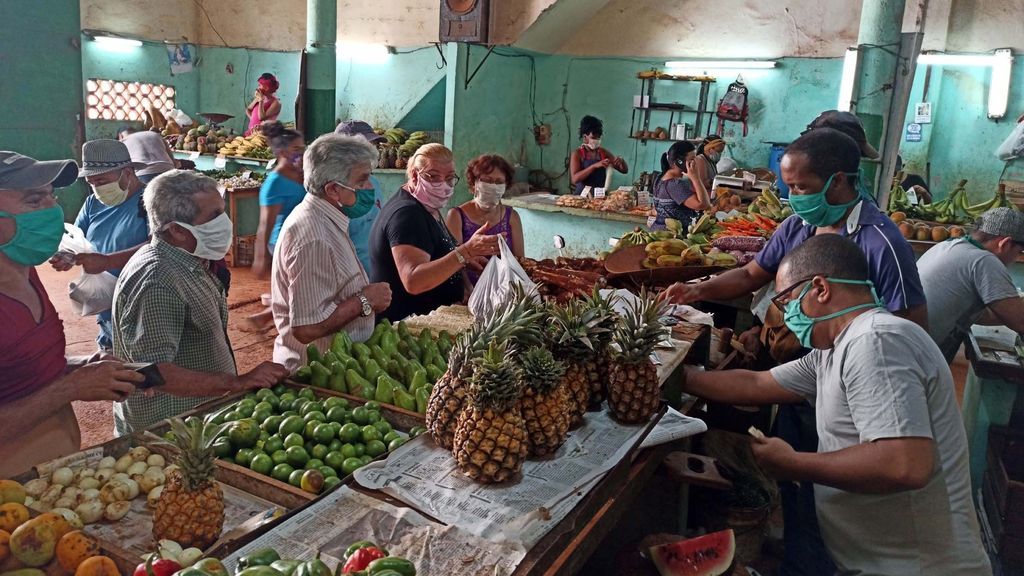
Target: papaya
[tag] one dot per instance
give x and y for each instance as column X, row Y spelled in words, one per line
column 74, row 548
column 34, row 542
column 12, row 515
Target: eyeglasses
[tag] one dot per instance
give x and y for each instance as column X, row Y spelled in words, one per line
column 782, row 298
column 437, row 178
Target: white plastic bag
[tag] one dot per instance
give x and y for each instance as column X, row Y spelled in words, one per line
column 1013, row 146
column 90, row 293
column 495, row 284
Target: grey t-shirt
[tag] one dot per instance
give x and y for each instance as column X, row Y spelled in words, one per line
column 960, row 280
column 885, row 378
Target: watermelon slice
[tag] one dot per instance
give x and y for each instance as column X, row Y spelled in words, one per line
column 708, row 555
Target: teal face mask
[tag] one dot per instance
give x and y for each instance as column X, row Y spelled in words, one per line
column 802, row 325
column 815, row 209
column 36, row 237
column 365, row 199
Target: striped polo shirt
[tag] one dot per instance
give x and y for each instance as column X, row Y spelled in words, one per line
column 315, row 268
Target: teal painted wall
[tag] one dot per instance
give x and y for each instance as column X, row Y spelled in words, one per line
column 229, row 92
column 147, row 63
column 383, row 94
column 41, row 102
column 961, row 140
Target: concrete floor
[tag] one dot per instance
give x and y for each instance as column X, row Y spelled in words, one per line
column 96, row 418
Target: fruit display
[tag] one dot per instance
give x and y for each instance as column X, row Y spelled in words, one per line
column 673, row 247
column 746, row 225
column 768, row 204
column 393, row 366
column 634, row 392
column 399, row 146
column 299, row 438
column 617, row 201
column 726, row 200
column 190, row 508
column 925, row 232
column 203, row 138
column 544, row 401
column 254, row 145
column 707, row 555
column 954, row 209
column 571, row 201
column 578, row 331
column 743, row 248
column 563, row 279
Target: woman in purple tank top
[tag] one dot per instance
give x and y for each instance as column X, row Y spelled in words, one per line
column 487, row 177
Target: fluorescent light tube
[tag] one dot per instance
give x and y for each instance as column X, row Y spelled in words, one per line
column 956, row 59
column 364, row 53
column 116, row 42
column 999, row 87
column 849, row 80
column 722, row 64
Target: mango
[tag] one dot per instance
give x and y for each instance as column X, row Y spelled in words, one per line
column 34, row 543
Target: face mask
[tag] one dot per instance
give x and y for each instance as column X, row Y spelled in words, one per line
column 594, row 144
column 489, row 195
column 296, row 160
column 212, row 238
column 365, row 199
column 713, row 156
column 802, row 325
column 815, row 209
column 111, row 193
column 433, row 196
column 37, row 235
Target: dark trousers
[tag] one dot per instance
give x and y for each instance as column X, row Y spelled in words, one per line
column 805, row 551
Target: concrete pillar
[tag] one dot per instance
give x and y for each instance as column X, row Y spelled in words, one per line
column 321, row 66
column 879, row 39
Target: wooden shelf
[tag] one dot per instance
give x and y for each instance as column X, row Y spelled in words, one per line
column 673, row 78
column 660, row 106
column 662, row 140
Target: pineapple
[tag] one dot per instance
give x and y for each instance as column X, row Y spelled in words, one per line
column 597, row 370
column 518, row 319
column 491, row 441
column 574, row 328
column 545, row 401
column 190, row 510
column 633, row 389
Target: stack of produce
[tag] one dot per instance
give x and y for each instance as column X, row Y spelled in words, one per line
column 254, row 145
column 925, row 232
column 399, row 146
column 392, row 367
column 47, row 544
column 563, row 279
column 85, row 495
column 579, row 332
column 617, row 201
column 203, row 138
column 572, row 201
column 239, row 182
column 953, row 210
column 691, row 248
column 747, row 225
column 726, row 200
column 742, row 248
column 295, row 437
column 768, row 204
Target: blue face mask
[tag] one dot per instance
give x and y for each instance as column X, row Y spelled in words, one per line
column 365, row 199
column 37, row 235
column 802, row 325
column 815, row 208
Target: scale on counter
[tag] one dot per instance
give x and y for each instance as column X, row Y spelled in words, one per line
column 746, row 188
column 215, row 119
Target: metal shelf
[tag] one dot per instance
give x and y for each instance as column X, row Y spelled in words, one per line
column 642, row 121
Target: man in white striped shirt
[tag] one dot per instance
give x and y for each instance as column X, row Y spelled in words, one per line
column 319, row 286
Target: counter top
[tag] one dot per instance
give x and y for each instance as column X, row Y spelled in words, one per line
column 545, row 202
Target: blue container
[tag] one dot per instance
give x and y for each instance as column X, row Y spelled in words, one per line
column 774, row 159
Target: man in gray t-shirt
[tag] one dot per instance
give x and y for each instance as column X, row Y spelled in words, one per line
column 963, row 277
column 892, row 486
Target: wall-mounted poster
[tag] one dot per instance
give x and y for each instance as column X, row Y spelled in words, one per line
column 179, row 56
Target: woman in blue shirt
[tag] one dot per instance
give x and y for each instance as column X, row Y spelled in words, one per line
column 679, row 192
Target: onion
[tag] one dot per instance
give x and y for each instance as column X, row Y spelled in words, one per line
column 71, row 492
column 64, row 502
column 52, row 494
column 124, row 462
column 151, row 479
column 90, row 512
column 116, row 491
column 104, row 474
column 63, row 476
column 154, row 496
column 88, row 483
column 107, row 462
column 36, row 487
column 136, row 469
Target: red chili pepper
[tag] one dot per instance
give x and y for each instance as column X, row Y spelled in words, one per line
column 360, row 559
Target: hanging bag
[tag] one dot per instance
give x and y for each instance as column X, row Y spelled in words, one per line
column 494, row 287
column 90, row 293
column 733, row 106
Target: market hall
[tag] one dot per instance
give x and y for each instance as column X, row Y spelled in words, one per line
column 470, row 286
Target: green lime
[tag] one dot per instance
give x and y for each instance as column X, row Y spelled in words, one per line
column 315, row 416
column 286, row 403
column 391, row 436
column 246, row 407
column 295, row 478
column 348, row 450
column 416, row 431
column 311, row 407
column 288, row 413
column 233, row 416
column 273, row 444
column 372, row 405
column 313, row 464
column 264, row 406
column 293, row 439
column 366, row 459
column 335, row 426
column 308, row 431
column 319, row 451
column 278, row 389
column 312, row 481
column 331, row 482
column 309, row 445
column 374, row 416
column 250, row 396
column 350, row 465
column 272, row 423
column 243, row 457
column 394, row 444
column 307, row 393
column 261, row 464
column 350, row 432
column 383, row 426
column 279, row 457
column 291, row 424
column 282, row 471
column 297, row 456
column 334, row 459
column 334, row 401
column 334, row 446
column 264, row 435
column 298, row 404
column 323, row 433
column 222, row 447
column 360, row 449
column 337, row 414
column 263, row 393
column 375, row 448
column 327, row 471
column 371, row 432
column 360, row 415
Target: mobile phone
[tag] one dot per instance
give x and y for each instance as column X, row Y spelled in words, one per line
column 151, row 372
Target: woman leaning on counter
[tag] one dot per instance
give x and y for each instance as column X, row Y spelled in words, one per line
column 412, row 249
column 588, row 165
column 679, row 192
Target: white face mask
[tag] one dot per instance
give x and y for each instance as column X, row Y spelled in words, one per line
column 489, row 195
column 213, row 239
column 594, row 143
column 111, row 193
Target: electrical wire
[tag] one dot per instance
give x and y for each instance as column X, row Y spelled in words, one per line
column 210, row 21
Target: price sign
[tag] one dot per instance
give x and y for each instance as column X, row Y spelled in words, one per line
column 193, row 155
column 271, row 163
column 585, row 193
column 247, row 174
column 651, row 220
column 643, row 198
column 220, row 162
column 599, row 192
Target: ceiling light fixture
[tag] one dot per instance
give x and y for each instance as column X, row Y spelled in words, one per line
column 722, row 64
column 1001, row 63
column 849, row 80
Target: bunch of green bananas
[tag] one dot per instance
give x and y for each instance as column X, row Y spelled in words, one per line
column 413, row 143
column 395, row 136
column 974, row 211
column 944, row 211
column 637, row 237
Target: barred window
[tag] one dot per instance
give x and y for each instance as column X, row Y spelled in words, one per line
column 119, row 100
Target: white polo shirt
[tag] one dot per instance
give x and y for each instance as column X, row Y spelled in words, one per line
column 315, row 268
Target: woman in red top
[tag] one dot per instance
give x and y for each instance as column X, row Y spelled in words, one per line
column 265, row 107
column 588, row 165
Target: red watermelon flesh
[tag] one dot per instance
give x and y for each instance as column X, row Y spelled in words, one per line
column 708, row 555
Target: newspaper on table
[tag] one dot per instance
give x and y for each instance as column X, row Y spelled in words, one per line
column 345, row 516
column 427, row 477
column 673, row 426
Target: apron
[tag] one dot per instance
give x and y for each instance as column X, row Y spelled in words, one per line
column 597, row 177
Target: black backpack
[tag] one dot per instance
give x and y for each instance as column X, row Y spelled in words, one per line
column 733, row 106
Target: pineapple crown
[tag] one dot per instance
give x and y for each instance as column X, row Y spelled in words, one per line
column 575, row 330
column 194, row 438
column 540, row 370
column 518, row 320
column 605, row 316
column 495, row 383
column 639, row 329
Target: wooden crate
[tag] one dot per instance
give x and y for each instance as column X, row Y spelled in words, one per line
column 1003, row 492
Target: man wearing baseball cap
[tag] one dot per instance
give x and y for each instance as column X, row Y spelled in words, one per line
column 848, row 124
column 37, row 382
column 966, row 280
column 359, row 228
column 112, row 218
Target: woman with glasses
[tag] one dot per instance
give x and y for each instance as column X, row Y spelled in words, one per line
column 413, row 250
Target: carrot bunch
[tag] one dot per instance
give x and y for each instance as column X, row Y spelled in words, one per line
column 749, row 225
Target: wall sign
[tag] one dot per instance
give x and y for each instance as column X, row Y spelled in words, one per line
column 923, row 113
column 913, row 132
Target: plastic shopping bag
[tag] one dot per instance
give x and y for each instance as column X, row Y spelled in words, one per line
column 90, row 293
column 1013, row 146
column 495, row 285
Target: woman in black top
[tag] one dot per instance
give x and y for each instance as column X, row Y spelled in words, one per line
column 411, row 248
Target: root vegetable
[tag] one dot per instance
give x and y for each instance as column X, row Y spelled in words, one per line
column 156, row 460
column 64, row 502
column 52, row 494
column 136, row 469
column 104, row 474
column 71, row 492
column 88, row 483
column 116, row 491
column 124, row 463
column 36, row 487
column 154, row 496
column 84, row 473
column 139, row 453
column 117, row 510
column 90, row 512
column 90, row 494
column 63, row 476
column 151, row 479
column 121, row 476
column 133, row 489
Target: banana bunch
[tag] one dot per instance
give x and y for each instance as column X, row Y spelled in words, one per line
column 944, row 211
column 974, row 211
column 252, row 146
column 395, row 136
column 676, row 252
column 413, row 143
column 638, row 237
column 769, row 206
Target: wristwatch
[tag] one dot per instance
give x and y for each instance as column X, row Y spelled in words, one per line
column 459, row 256
column 367, row 309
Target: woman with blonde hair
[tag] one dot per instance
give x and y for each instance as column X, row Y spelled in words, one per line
column 413, row 250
